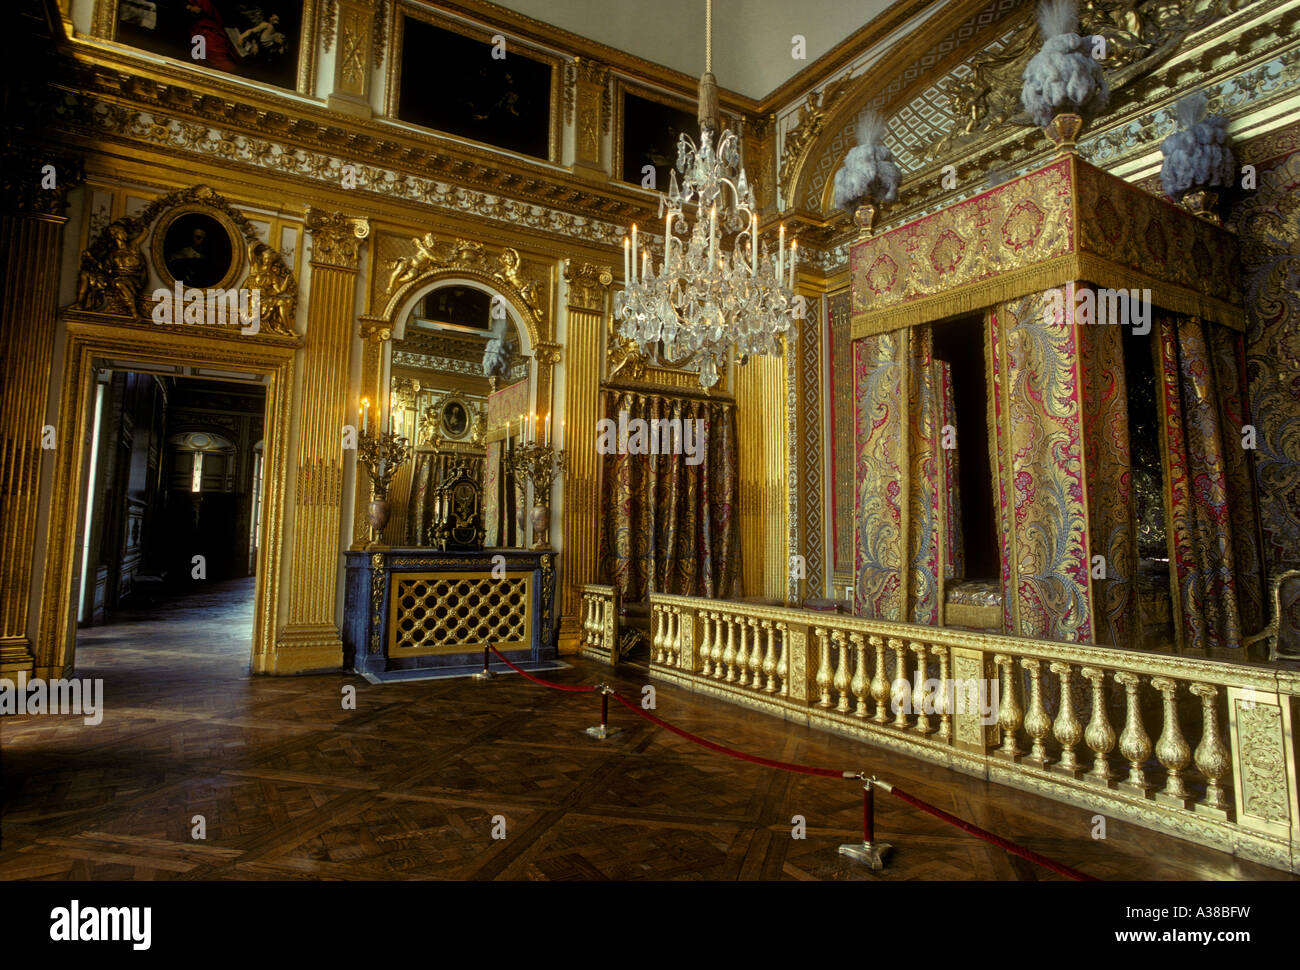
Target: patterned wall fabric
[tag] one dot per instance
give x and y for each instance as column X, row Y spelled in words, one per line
column 926, row 499
column 1037, row 448
column 1268, row 222
column 1210, row 508
column 808, row 441
column 491, row 484
column 667, row 525
column 955, row 566
column 1111, row 517
column 842, row 450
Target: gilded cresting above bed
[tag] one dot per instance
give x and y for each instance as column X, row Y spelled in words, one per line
column 1065, row 222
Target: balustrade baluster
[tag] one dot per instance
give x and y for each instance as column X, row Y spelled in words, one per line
column 880, row 683
column 742, row 653
column 1134, row 742
column 900, row 696
column 944, row 702
column 824, row 676
column 783, row 662
column 729, row 655
column 842, row 678
column 1067, row 727
column 1037, row 723
column 859, row 683
column 755, row 655
column 657, row 633
column 1211, row 754
column 1171, row 747
column 769, row 658
column 1100, row 736
column 920, row 692
column 706, row 643
column 1010, row 715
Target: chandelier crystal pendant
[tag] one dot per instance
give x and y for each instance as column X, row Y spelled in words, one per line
column 716, row 290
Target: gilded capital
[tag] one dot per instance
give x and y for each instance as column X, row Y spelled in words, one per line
column 37, row 182
column 587, row 284
column 336, row 238
column 547, row 352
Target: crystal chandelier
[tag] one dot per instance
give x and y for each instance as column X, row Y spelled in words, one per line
column 710, row 295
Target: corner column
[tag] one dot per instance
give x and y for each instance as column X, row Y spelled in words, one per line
column 31, row 239
column 588, row 300
column 310, row 640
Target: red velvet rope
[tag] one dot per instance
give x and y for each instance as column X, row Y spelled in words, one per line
column 584, row 689
column 712, row 746
column 1000, row 842
column 910, row 799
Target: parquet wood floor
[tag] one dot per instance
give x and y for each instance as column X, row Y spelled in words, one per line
column 407, row 786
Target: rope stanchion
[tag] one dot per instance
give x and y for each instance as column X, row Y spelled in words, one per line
column 869, row 852
column 603, row 730
column 486, row 672
column 579, row 689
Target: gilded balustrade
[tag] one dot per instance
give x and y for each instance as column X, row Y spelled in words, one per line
column 1069, row 721
column 599, row 624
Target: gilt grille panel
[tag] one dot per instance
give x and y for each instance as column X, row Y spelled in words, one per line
column 435, row 613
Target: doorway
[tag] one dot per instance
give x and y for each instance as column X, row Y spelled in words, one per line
column 172, row 502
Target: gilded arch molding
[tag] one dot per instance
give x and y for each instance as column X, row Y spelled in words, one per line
column 402, row 267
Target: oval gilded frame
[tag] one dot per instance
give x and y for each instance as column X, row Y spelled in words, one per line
column 236, row 238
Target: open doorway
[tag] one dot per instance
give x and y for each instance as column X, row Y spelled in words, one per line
column 172, row 510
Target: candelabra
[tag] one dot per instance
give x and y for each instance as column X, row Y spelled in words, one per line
column 539, row 464
column 381, row 454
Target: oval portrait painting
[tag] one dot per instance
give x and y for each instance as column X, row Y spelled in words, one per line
column 197, row 250
column 455, row 420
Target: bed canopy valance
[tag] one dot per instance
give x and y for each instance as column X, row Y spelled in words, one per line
column 1064, row 222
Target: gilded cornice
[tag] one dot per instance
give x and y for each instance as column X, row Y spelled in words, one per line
column 104, row 91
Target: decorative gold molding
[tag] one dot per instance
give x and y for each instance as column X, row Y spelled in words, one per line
column 336, row 238
column 588, row 285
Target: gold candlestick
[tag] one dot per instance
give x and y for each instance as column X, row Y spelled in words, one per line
column 381, row 454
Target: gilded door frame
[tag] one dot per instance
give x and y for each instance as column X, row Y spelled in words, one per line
column 91, row 336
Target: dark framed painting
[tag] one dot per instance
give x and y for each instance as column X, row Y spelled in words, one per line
column 463, row 306
column 197, row 248
column 452, row 83
column 651, row 130
column 454, row 420
column 258, row 40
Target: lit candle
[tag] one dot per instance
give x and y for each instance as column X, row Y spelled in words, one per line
column 548, row 431
column 780, row 254
column 668, row 235
column 794, row 258
column 627, row 260
column 365, row 414
column 753, row 246
column 645, row 263
column 713, row 233
column 634, row 252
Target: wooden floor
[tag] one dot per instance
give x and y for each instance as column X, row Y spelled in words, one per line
column 407, row 785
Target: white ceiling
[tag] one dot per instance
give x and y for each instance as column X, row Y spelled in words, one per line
column 751, row 38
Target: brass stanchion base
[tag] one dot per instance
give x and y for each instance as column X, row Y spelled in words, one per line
column 603, row 731
column 483, row 674
column 870, row 854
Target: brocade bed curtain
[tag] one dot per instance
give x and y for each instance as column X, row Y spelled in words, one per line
column 1214, row 546
column 668, row 526
column 907, row 480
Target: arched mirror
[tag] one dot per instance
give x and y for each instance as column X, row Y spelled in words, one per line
column 459, row 355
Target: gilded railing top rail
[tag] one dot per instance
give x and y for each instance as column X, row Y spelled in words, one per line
column 1214, row 670
column 600, row 590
